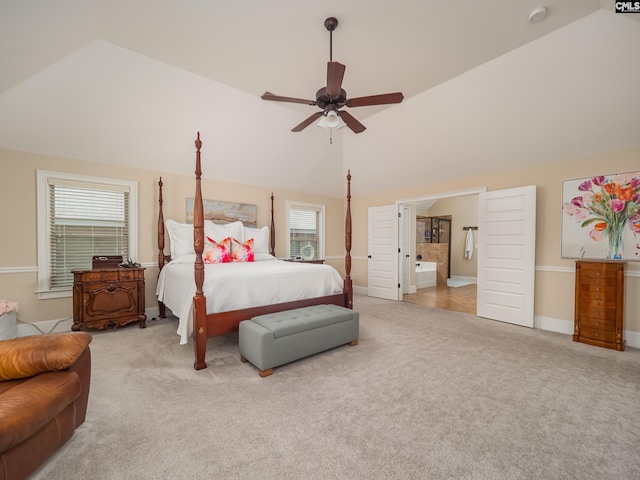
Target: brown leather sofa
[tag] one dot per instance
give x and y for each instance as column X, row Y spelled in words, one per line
column 44, row 390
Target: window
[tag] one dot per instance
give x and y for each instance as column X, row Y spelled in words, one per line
column 305, row 227
column 78, row 217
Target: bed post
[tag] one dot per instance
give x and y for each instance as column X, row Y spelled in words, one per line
column 161, row 308
column 348, row 286
column 199, row 300
column 272, row 238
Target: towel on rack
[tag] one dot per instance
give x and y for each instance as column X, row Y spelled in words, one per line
column 468, row 246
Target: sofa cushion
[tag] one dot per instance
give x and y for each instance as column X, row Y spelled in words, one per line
column 25, row 357
column 29, row 406
column 302, row 319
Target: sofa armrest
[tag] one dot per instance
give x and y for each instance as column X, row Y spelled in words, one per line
column 25, row 357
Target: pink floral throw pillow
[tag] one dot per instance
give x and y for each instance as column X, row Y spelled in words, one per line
column 242, row 252
column 215, row 252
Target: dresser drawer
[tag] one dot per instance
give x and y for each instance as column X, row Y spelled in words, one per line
column 606, row 324
column 596, row 334
column 603, row 313
column 595, row 281
column 599, row 269
column 595, row 303
column 598, row 292
column 111, row 299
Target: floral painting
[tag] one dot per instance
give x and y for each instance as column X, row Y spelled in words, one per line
column 601, row 217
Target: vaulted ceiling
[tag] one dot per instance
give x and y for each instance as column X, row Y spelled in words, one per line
column 130, row 83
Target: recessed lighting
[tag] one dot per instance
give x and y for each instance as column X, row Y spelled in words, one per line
column 538, row 14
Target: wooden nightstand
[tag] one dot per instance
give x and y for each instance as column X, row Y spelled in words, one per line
column 108, row 298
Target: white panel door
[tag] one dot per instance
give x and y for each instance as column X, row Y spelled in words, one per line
column 383, row 252
column 404, row 259
column 506, row 255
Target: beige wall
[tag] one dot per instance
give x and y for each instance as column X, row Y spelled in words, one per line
column 554, row 275
column 18, row 252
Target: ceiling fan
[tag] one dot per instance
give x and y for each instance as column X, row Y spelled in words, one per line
column 333, row 97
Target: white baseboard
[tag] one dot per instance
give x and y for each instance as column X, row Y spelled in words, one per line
column 45, row 326
column 360, row 290
column 61, row 325
column 632, row 339
column 553, row 325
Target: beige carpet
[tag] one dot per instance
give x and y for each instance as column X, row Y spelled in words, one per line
column 427, row 394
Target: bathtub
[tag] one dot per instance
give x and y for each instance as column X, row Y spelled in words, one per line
column 425, row 274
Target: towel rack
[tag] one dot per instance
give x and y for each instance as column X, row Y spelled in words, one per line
column 469, row 228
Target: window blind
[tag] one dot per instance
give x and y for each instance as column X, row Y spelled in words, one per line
column 85, row 219
column 304, row 229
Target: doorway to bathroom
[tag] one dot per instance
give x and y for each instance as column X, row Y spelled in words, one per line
column 441, row 269
column 505, row 248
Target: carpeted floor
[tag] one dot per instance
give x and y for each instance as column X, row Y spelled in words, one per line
column 427, row 394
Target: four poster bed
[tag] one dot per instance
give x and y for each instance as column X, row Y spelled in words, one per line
column 224, row 294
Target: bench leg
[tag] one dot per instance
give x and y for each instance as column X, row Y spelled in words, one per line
column 266, row 373
column 354, row 342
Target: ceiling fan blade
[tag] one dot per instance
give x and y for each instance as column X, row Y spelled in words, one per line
column 307, row 122
column 351, row 122
column 276, row 98
column 383, row 99
column 335, row 74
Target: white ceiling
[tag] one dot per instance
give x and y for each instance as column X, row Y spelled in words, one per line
column 130, row 83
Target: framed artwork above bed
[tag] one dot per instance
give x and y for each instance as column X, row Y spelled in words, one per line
column 226, row 212
column 601, row 217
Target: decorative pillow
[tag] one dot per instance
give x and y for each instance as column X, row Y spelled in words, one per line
column 219, row 232
column 242, row 252
column 215, row 252
column 260, row 238
column 180, row 238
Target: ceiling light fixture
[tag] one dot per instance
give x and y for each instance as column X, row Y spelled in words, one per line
column 538, row 14
column 331, row 120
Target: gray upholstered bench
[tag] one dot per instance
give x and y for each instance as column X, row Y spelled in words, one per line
column 271, row 340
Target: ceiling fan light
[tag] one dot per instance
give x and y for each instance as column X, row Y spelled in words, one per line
column 331, row 120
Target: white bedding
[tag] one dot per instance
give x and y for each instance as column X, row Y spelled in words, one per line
column 238, row 285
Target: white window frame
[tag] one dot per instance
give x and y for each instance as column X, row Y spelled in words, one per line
column 316, row 206
column 44, row 230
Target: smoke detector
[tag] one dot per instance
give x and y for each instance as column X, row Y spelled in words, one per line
column 538, row 14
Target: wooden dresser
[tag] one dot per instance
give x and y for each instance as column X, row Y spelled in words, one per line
column 599, row 308
column 108, row 298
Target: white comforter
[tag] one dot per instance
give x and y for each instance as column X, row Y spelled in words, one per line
column 238, row 285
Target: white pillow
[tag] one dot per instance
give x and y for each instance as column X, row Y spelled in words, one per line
column 260, row 238
column 259, row 257
column 219, row 232
column 180, row 238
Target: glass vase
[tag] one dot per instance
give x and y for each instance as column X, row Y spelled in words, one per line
column 615, row 246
